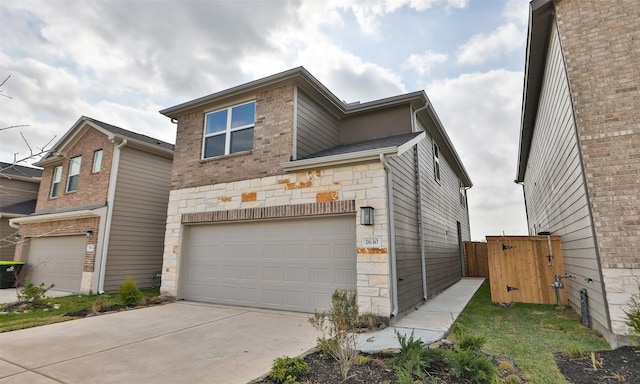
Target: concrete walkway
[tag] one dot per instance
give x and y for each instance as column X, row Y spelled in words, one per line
column 9, row 295
column 430, row 322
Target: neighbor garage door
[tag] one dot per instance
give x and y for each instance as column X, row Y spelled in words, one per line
column 292, row 265
column 57, row 260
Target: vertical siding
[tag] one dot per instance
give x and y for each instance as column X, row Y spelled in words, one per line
column 554, row 187
column 7, row 248
column 407, row 240
column 136, row 241
column 441, row 210
column 317, row 129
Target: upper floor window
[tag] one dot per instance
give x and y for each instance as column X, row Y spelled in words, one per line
column 74, row 173
column 55, row 183
column 229, row 130
column 97, row 161
column 436, row 162
column 463, row 195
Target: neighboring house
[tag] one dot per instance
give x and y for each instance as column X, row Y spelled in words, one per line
column 579, row 157
column 101, row 210
column 18, row 194
column 270, row 181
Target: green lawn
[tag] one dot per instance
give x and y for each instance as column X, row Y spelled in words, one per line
column 527, row 333
column 11, row 321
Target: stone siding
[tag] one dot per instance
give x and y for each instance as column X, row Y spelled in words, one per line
column 363, row 184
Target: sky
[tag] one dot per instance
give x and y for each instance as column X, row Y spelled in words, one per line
column 122, row 61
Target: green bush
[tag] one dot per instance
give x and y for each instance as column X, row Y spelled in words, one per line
column 33, row 294
column 469, row 365
column 472, row 342
column 288, row 369
column 632, row 314
column 129, row 293
column 413, row 359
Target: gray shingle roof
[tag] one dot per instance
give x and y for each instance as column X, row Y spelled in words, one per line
column 133, row 135
column 22, row 208
column 19, row 170
column 384, row 142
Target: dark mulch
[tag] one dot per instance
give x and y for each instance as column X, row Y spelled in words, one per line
column 21, row 307
column 86, row 312
column 621, row 365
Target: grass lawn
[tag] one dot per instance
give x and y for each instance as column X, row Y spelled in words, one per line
column 528, row 334
column 11, row 321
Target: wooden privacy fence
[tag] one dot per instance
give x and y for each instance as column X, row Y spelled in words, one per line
column 524, row 268
column 476, row 259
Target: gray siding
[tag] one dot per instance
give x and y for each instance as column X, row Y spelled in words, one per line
column 407, row 239
column 7, row 248
column 376, row 124
column 554, row 188
column 136, row 240
column 317, row 129
column 17, row 191
column 441, row 211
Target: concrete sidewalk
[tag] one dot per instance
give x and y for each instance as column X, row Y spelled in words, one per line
column 9, row 295
column 430, row 322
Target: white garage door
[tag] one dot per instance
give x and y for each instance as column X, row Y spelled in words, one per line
column 291, row 265
column 57, row 260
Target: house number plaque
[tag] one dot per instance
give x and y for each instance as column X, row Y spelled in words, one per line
column 372, row 242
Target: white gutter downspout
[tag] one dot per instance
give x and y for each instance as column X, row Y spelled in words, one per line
column 392, row 236
column 110, row 198
column 423, row 264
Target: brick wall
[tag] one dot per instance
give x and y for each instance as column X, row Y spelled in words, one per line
column 602, row 54
column 92, row 187
column 272, row 144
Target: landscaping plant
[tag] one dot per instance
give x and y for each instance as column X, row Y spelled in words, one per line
column 32, row 294
column 288, row 370
column 336, row 327
column 129, row 293
column 632, row 314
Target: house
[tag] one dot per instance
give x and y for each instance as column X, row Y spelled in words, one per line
column 101, row 210
column 579, row 158
column 281, row 192
column 18, row 193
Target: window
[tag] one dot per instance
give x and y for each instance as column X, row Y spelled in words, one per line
column 74, row 173
column 55, row 184
column 97, row 161
column 229, row 130
column 463, row 195
column 436, row 162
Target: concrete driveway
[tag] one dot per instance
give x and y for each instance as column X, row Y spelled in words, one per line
column 182, row 342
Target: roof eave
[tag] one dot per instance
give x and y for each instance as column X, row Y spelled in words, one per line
column 337, row 160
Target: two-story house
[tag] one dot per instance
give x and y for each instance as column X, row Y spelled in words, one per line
column 18, row 194
column 579, row 159
column 101, row 210
column 281, row 192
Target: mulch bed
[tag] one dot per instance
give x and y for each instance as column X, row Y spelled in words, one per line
column 621, row 365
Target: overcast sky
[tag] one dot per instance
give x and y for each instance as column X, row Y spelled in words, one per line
column 122, row 61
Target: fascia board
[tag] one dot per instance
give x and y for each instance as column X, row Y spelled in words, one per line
column 341, row 159
column 54, row 217
column 409, row 144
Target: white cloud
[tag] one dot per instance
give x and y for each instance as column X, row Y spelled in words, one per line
column 516, row 11
column 481, row 48
column 422, row 63
column 481, row 113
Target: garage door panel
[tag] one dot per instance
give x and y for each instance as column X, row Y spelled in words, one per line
column 57, row 260
column 280, row 264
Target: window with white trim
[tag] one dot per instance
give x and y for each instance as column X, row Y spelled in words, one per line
column 97, row 161
column 463, row 195
column 55, row 183
column 229, row 130
column 436, row 162
column 74, row 173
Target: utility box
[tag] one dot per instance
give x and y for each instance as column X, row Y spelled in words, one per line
column 525, row 269
column 8, row 272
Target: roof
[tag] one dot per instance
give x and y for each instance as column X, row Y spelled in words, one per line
column 20, row 171
column 112, row 132
column 312, row 87
column 540, row 21
column 22, row 208
column 393, row 141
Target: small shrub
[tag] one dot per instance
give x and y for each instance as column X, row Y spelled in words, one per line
column 413, row 359
column 575, row 352
column 153, row 300
column 32, row 294
column 98, row 305
column 467, row 364
column 129, row 293
column 506, row 366
column 472, row 342
column 288, row 369
column 362, row 360
column 369, row 321
column 632, row 313
column 512, row 379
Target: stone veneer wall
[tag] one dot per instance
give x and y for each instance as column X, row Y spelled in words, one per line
column 602, row 51
column 365, row 184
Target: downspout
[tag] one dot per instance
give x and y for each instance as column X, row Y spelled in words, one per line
column 423, row 264
column 392, row 236
column 115, row 162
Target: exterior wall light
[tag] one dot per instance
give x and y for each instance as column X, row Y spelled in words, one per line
column 89, row 234
column 17, row 238
column 366, row 215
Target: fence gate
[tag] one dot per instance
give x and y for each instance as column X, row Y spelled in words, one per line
column 524, row 268
column 477, row 261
